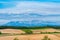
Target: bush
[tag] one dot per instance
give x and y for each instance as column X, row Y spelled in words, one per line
column 27, row 31
column 0, row 32
column 16, row 39
column 46, row 38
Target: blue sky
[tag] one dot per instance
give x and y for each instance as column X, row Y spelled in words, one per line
column 30, row 0
column 27, row 7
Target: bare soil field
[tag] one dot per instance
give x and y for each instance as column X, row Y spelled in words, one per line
column 30, row 36
column 45, row 30
column 12, row 31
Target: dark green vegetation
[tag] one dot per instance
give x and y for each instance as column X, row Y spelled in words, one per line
column 46, row 38
column 0, row 32
column 29, row 27
column 27, row 31
column 49, row 32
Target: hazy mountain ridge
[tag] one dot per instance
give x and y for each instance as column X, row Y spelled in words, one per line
column 28, row 23
column 29, row 19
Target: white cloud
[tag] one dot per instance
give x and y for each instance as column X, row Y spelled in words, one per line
column 33, row 7
column 3, row 21
column 43, row 8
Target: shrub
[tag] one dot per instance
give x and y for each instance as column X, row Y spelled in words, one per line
column 46, row 38
column 0, row 32
column 27, row 31
column 16, row 39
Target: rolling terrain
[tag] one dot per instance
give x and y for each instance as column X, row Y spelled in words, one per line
column 36, row 35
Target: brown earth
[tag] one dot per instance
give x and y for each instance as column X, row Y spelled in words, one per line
column 45, row 30
column 31, row 37
column 12, row 31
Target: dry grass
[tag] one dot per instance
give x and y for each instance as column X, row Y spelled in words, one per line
column 45, row 30
column 11, row 31
column 31, row 36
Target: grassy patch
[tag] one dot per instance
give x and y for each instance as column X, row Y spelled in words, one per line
column 27, row 31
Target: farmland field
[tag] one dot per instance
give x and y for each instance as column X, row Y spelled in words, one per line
column 19, row 34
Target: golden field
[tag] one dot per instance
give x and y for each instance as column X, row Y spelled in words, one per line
column 34, row 36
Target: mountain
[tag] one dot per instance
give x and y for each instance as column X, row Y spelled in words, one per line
column 13, row 23
column 22, row 23
column 17, row 23
column 30, row 23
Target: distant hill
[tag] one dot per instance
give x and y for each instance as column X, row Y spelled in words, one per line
column 28, row 23
column 23, row 23
column 13, row 23
column 33, row 19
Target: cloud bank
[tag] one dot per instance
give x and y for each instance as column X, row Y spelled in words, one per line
column 44, row 8
column 30, row 7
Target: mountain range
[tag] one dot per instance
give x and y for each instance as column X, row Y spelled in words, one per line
column 30, row 19
column 27, row 23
